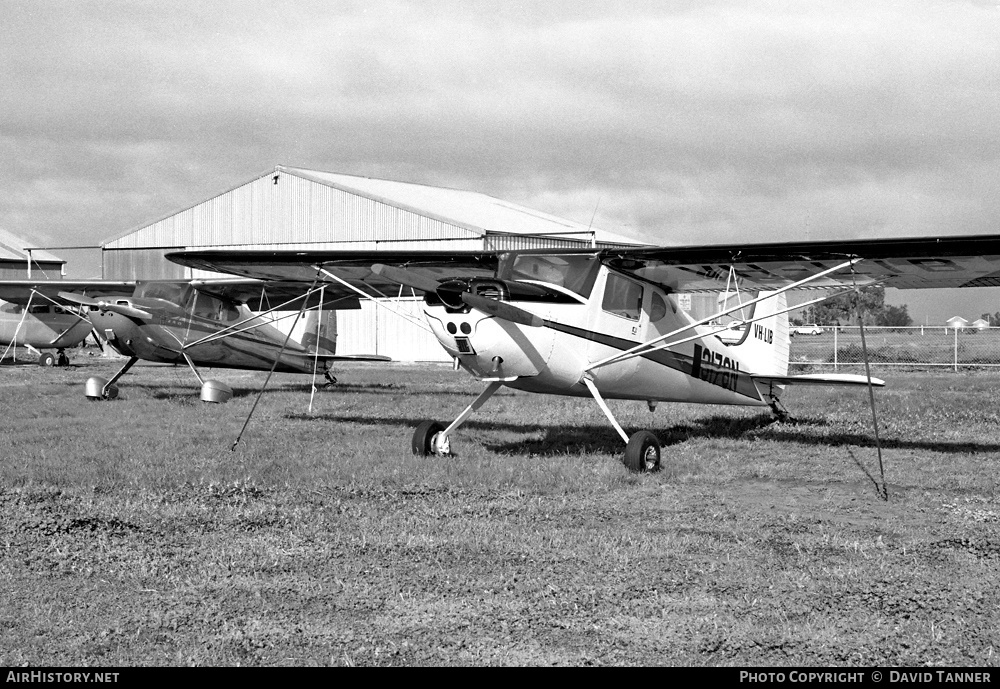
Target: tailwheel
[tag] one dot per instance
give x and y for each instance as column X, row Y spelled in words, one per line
column 425, row 438
column 642, row 452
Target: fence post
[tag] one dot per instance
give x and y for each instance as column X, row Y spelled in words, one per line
column 956, row 350
column 835, row 329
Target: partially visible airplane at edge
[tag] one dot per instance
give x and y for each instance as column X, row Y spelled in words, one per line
column 36, row 323
column 208, row 323
column 606, row 323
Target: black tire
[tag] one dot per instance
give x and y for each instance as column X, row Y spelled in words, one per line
column 62, row 359
column 423, row 438
column 46, row 359
column 642, row 453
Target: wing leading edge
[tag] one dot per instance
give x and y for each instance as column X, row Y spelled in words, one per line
column 913, row 263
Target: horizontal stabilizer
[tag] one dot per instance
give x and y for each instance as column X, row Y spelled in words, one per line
column 819, row 379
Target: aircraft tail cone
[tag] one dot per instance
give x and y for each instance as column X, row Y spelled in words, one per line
column 216, row 392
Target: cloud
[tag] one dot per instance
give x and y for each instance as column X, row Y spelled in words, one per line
column 682, row 120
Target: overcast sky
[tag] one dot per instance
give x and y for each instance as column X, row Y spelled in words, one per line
column 677, row 122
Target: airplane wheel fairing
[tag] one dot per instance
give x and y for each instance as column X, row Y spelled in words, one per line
column 214, row 391
column 46, row 359
column 95, row 387
column 642, row 452
column 423, row 438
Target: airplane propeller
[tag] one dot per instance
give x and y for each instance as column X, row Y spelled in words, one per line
column 122, row 309
column 503, row 310
column 493, row 307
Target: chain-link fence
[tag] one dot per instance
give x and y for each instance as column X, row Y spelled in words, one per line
column 841, row 347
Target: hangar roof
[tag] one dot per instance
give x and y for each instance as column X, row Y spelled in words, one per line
column 292, row 206
column 475, row 211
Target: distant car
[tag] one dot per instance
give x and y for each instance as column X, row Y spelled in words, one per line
column 807, row 329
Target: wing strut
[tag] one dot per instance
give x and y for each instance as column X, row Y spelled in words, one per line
column 273, row 366
column 413, row 321
column 643, row 347
column 13, row 342
column 319, row 326
column 883, row 489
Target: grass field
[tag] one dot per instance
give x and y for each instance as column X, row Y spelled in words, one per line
column 132, row 535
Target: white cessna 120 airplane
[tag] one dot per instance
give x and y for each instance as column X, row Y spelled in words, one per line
column 606, row 323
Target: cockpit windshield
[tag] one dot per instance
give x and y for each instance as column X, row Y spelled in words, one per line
column 576, row 273
column 174, row 292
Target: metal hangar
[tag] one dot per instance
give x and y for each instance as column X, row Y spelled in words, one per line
column 295, row 208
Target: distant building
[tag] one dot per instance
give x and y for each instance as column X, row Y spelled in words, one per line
column 957, row 323
column 14, row 263
column 980, row 324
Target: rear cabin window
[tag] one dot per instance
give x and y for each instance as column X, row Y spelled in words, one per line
column 622, row 297
column 657, row 309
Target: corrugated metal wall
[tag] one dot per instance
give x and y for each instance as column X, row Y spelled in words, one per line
column 141, row 264
column 18, row 270
column 373, row 329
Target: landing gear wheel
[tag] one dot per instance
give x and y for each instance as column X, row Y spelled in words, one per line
column 62, row 359
column 424, row 437
column 46, row 359
column 642, row 453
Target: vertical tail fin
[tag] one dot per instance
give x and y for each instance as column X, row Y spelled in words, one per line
column 764, row 349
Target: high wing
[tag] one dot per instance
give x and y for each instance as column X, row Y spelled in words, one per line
column 912, row 263
column 915, row 263
column 23, row 291
column 261, row 295
column 354, row 267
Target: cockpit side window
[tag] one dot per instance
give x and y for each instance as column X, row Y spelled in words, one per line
column 207, row 306
column 622, row 297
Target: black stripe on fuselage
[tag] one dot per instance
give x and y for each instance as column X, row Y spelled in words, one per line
column 701, row 366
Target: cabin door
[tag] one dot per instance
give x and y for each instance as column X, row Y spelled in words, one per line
column 619, row 321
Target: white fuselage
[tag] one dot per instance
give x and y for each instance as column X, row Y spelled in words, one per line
column 612, row 318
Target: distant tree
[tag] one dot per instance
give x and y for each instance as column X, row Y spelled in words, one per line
column 895, row 316
column 843, row 310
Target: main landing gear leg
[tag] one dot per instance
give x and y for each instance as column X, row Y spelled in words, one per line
column 431, row 438
column 642, row 450
column 211, row 390
column 100, row 389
